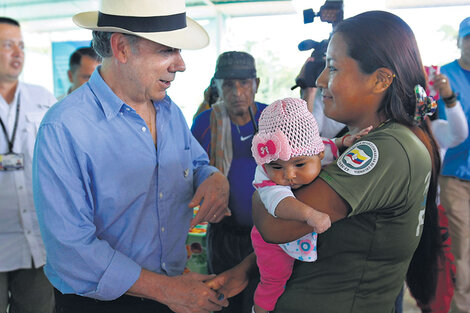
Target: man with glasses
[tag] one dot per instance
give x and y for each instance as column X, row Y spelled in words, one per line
column 23, row 285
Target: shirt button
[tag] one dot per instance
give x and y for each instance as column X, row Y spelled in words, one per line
column 24, row 210
column 163, row 264
column 127, row 109
column 143, row 129
column 121, row 113
column 28, row 232
column 20, row 187
column 163, row 229
column 161, row 195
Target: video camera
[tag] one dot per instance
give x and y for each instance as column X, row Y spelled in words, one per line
column 330, row 12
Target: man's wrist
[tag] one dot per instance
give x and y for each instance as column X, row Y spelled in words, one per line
column 451, row 100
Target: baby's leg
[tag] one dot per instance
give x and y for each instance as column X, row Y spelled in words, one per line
column 275, row 268
column 258, row 309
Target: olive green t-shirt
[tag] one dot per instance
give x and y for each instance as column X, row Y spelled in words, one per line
column 363, row 258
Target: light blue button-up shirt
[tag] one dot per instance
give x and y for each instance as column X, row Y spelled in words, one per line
column 109, row 203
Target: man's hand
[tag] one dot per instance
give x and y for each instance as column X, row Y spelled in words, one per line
column 233, row 281
column 442, row 84
column 189, row 294
column 182, row 294
column 213, row 193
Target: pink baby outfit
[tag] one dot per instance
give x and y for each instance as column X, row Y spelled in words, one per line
column 286, row 129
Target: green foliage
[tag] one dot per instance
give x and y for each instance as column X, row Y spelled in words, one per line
column 276, row 77
column 449, row 33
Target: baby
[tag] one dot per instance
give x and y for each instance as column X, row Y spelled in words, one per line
column 288, row 150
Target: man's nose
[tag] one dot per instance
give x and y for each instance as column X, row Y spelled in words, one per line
column 17, row 50
column 237, row 88
column 179, row 65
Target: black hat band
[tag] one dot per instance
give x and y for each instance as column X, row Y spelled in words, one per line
column 143, row 24
column 235, row 73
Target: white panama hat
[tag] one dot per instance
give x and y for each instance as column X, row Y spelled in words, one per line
column 161, row 21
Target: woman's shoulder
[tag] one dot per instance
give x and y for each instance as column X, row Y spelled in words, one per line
column 391, row 147
column 393, row 135
column 398, row 144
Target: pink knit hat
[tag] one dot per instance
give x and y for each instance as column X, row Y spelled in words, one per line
column 286, row 129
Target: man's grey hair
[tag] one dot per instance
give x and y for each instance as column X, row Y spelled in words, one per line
column 219, row 82
column 102, row 43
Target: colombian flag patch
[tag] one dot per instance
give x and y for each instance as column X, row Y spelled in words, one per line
column 359, row 159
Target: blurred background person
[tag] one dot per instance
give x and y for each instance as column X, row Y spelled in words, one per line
column 226, row 131
column 82, row 63
column 455, row 174
column 23, row 285
column 211, row 95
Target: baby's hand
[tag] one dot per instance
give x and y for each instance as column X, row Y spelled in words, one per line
column 319, row 221
column 349, row 140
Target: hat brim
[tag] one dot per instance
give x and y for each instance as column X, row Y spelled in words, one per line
column 192, row 37
column 232, row 73
column 464, row 33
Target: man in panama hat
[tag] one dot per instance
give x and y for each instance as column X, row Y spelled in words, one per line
column 116, row 177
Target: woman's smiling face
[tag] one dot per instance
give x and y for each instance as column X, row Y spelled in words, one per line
column 346, row 90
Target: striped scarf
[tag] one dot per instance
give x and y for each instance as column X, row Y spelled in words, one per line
column 221, row 138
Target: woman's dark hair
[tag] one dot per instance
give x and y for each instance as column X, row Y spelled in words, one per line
column 378, row 39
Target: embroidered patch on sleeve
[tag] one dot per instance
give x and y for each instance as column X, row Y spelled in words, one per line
column 359, row 159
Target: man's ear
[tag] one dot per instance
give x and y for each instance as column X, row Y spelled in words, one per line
column 383, row 79
column 69, row 75
column 120, row 47
column 321, row 155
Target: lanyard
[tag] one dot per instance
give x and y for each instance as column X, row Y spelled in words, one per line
column 10, row 143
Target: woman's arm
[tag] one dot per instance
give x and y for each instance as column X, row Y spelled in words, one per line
column 318, row 195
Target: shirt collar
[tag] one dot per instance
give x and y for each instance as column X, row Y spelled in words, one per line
column 165, row 103
column 109, row 101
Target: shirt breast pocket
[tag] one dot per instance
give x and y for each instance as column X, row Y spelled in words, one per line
column 186, row 164
column 184, row 173
column 29, row 131
column 33, row 120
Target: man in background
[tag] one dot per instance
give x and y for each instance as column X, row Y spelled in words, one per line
column 455, row 173
column 226, row 131
column 82, row 63
column 23, row 285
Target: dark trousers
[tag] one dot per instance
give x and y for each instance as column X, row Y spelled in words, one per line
column 70, row 303
column 227, row 246
column 26, row 291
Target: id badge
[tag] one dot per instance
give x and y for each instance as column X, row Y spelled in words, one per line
column 11, row 162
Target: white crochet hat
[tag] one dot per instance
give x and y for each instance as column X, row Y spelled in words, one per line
column 286, row 129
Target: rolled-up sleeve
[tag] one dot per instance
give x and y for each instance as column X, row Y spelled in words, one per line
column 78, row 261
